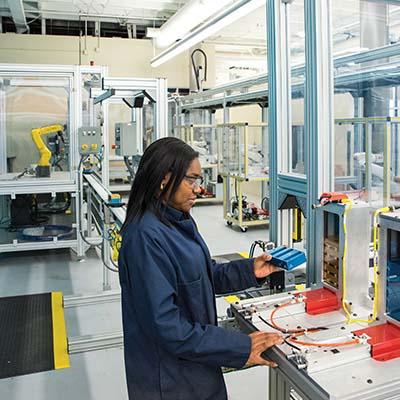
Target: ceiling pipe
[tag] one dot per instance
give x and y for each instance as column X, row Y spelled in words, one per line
column 54, row 14
column 184, row 20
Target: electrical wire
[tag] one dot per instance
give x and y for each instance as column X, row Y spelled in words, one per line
column 294, row 333
column 284, row 330
column 265, row 203
column 196, row 71
column 318, row 344
column 253, row 246
column 114, row 263
column 104, row 262
column 376, row 235
column 289, row 343
column 348, row 206
column 25, row 171
column 49, row 208
column 267, row 323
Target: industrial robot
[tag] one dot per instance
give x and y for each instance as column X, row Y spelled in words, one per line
column 43, row 165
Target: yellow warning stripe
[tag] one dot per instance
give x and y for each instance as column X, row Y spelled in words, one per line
column 60, row 345
column 244, row 254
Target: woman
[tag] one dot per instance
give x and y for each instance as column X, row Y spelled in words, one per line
column 174, row 349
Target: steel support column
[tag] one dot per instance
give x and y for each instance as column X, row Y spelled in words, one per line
column 318, row 121
column 279, row 122
column 264, row 144
column 162, row 108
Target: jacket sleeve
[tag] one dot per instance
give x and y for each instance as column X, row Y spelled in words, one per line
column 154, row 286
column 234, row 276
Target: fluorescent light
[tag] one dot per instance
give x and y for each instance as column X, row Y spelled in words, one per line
column 192, row 14
column 223, row 19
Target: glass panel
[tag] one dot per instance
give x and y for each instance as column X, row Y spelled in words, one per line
column 37, row 218
column 349, row 171
column 205, row 142
column 149, row 122
column 91, row 114
column 32, row 102
column 232, row 138
column 258, row 155
column 297, row 58
column 118, row 112
column 244, row 150
column 203, row 139
column 395, row 160
column 366, row 94
column 135, row 115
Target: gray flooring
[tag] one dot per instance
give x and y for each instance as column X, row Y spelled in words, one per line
column 99, row 375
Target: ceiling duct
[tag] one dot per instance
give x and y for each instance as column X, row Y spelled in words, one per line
column 18, row 14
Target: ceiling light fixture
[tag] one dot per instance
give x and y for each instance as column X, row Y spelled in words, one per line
column 184, row 20
column 208, row 28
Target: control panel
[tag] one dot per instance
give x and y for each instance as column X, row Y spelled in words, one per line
column 89, row 140
column 126, row 142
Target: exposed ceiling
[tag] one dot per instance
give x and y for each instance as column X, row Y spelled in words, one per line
column 248, row 32
column 241, row 45
column 147, row 12
column 103, row 9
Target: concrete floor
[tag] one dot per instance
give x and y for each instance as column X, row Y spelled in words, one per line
column 99, row 375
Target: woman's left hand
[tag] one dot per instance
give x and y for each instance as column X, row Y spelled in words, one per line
column 262, row 267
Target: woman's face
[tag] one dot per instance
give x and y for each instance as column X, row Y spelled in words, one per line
column 186, row 194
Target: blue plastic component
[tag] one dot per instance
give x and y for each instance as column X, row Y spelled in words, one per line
column 287, row 258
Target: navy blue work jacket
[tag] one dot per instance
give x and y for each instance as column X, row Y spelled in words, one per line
column 173, row 347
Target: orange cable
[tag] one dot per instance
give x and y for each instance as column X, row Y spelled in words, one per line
column 284, row 330
column 276, row 326
column 293, row 339
column 342, row 344
column 300, row 332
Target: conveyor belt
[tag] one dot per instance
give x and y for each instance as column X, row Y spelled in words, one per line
column 32, row 335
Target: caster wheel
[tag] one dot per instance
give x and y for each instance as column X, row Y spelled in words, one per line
column 243, row 229
column 229, row 223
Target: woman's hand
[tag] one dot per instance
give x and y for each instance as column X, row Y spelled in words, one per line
column 261, row 341
column 262, row 267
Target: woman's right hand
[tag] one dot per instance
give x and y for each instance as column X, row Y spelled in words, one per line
column 261, row 341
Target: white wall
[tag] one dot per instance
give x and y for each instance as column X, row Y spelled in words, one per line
column 124, row 57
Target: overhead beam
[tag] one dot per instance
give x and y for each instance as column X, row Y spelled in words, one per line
column 18, row 15
column 73, row 16
column 136, row 9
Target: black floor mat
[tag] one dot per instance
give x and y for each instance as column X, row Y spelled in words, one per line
column 26, row 338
